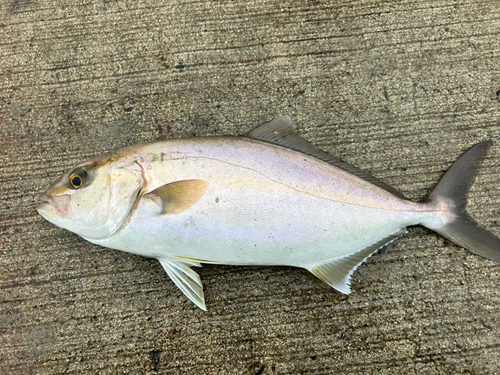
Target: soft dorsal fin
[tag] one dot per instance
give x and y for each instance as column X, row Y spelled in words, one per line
column 186, row 279
column 337, row 272
column 178, row 196
column 280, row 132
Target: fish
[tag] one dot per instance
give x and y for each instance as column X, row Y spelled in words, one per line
column 266, row 198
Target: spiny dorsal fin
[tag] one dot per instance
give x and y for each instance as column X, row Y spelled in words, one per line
column 186, row 279
column 178, row 196
column 280, row 132
column 337, row 273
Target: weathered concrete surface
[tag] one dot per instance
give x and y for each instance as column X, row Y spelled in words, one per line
column 397, row 88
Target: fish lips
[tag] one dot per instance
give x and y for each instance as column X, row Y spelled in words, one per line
column 54, row 207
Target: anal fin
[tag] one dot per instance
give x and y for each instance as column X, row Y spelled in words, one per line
column 337, row 272
column 186, row 279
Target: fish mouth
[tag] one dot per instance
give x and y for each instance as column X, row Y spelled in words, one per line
column 44, row 200
column 50, row 207
column 45, row 208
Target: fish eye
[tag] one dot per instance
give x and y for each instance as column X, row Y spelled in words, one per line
column 78, row 178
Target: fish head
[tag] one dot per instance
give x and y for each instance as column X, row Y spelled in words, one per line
column 94, row 198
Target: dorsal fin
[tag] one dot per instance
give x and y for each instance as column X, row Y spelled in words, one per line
column 280, row 132
column 337, row 272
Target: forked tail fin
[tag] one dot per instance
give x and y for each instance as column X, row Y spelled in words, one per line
column 453, row 189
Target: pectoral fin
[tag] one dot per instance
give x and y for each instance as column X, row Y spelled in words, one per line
column 178, row 196
column 186, row 279
column 337, row 272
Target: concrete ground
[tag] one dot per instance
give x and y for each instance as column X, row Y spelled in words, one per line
column 398, row 88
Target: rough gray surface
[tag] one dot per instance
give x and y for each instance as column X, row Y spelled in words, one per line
column 396, row 88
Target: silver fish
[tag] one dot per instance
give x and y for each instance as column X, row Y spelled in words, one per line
column 268, row 198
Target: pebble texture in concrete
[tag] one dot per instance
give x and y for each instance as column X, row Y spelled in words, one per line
column 399, row 88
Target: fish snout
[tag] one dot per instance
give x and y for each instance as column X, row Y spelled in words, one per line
column 54, row 205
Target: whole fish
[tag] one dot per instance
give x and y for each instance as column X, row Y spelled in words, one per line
column 268, row 198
